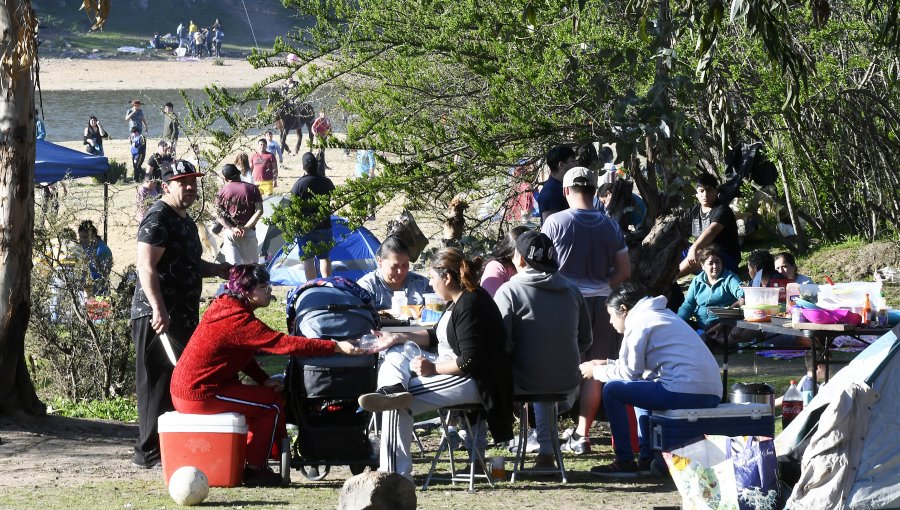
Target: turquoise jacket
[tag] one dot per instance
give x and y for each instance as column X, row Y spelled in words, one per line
column 700, row 296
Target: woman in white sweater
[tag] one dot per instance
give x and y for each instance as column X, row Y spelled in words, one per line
column 662, row 364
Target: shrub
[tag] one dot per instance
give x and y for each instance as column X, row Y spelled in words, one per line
column 116, row 171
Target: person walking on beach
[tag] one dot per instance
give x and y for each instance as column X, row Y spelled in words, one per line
column 138, row 152
column 238, row 207
column 170, row 126
column 265, row 168
column 135, row 118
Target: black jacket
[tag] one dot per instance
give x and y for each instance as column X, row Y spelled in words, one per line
column 477, row 336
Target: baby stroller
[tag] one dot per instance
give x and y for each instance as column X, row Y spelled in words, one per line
column 322, row 392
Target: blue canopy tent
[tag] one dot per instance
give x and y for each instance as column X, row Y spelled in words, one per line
column 352, row 256
column 53, row 163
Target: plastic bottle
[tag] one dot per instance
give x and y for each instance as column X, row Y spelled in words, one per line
column 791, row 405
column 398, row 301
column 867, row 312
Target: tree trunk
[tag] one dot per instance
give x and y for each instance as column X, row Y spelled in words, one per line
column 18, row 46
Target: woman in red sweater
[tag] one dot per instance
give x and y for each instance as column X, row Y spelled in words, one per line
column 205, row 381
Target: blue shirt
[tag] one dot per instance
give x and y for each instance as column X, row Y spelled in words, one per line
column 551, row 198
column 365, row 163
column 274, row 148
column 416, row 285
column 701, row 296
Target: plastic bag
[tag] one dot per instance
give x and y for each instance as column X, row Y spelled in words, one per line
column 721, row 472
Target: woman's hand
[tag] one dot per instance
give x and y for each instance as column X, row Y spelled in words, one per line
column 587, row 368
column 422, row 366
column 345, row 347
column 275, row 383
column 386, row 340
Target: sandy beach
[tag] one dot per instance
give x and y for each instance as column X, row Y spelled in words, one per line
column 84, row 197
column 129, row 74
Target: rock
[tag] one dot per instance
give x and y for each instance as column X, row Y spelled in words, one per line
column 374, row 490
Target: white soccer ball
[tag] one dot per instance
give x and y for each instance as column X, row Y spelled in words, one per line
column 188, row 486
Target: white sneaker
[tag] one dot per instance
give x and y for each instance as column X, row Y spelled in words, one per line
column 531, row 443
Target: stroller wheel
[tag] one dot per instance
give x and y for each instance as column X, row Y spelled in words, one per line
column 357, row 468
column 315, row 473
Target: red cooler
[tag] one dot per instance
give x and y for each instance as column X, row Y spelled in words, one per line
column 213, row 443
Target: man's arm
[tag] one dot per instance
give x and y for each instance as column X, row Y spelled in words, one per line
column 621, row 269
column 146, row 127
column 147, row 258
column 129, row 113
column 214, row 269
column 251, row 223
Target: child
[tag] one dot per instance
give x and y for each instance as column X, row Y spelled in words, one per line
column 138, row 151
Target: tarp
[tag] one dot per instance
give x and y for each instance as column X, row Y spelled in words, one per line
column 830, row 477
column 268, row 237
column 352, row 256
column 54, row 163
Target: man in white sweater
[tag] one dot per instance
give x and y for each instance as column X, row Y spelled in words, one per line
column 662, row 364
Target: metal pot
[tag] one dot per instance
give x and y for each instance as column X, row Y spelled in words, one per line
column 759, row 393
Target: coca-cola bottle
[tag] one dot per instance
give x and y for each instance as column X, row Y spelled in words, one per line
column 791, row 405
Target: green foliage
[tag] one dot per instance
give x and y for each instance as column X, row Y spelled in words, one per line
column 119, row 408
column 117, row 171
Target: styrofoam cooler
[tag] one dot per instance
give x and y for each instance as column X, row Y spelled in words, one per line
column 213, row 443
column 673, row 428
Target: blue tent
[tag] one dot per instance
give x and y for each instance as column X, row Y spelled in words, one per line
column 53, row 163
column 352, row 256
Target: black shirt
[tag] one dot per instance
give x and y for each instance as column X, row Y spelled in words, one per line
column 727, row 240
column 180, row 279
column 309, row 186
column 156, row 161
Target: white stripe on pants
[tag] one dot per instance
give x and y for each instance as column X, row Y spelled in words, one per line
column 429, row 393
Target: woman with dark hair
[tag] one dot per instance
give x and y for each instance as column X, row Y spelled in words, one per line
column 787, row 265
column 93, row 136
column 715, row 286
column 499, row 268
column 662, row 364
column 393, row 274
column 205, row 380
column 761, row 265
column 471, row 365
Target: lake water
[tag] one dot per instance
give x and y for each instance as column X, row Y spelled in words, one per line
column 66, row 113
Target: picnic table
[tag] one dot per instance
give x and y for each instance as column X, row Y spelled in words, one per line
column 822, row 336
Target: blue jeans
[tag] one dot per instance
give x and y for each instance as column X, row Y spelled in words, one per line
column 644, row 396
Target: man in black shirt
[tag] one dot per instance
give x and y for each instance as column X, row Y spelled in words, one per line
column 711, row 223
column 167, row 299
column 306, row 188
column 159, row 159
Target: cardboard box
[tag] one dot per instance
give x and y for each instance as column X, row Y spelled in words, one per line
column 213, row 443
column 673, row 428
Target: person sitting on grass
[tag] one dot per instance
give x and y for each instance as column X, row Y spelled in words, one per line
column 205, row 380
column 662, row 364
column 715, row 286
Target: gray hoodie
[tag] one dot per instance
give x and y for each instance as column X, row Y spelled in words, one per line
column 548, row 328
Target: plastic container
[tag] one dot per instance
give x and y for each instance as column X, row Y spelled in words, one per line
column 760, row 313
column 213, row 443
column 434, row 307
column 791, row 292
column 398, row 302
column 761, row 295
